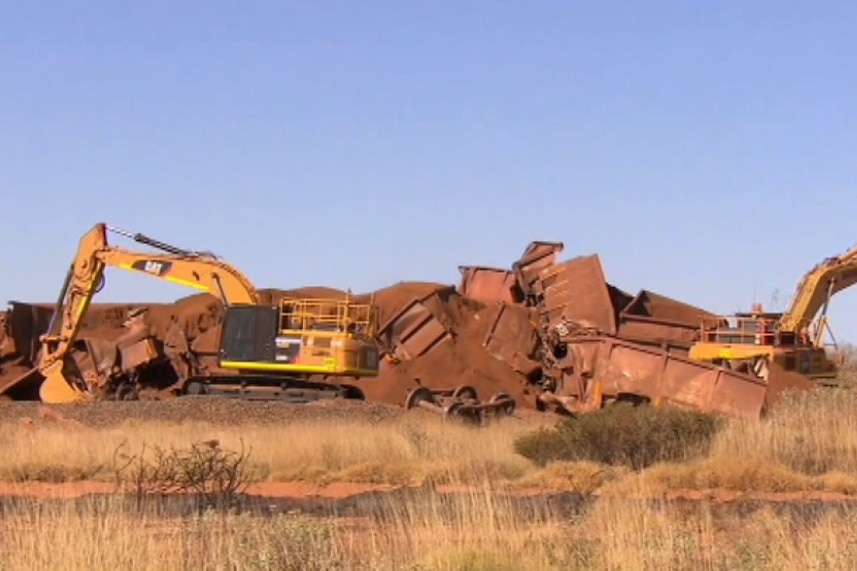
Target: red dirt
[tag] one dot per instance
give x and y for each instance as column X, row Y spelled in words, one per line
column 340, row 490
column 65, row 490
column 69, row 490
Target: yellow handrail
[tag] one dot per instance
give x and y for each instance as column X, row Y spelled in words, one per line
column 333, row 315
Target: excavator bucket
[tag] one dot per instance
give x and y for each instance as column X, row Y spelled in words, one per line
column 56, row 388
column 91, row 359
column 50, row 385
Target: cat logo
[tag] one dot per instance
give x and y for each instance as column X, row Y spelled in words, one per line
column 152, row 267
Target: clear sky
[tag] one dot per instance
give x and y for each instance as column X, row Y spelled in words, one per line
column 706, row 150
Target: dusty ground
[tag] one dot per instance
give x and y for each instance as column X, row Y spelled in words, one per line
column 222, row 411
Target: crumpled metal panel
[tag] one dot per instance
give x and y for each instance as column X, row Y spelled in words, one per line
column 650, row 304
column 413, row 331
column 576, row 291
column 25, row 322
column 138, row 354
column 647, row 329
column 512, row 338
column 95, row 358
column 619, row 298
column 621, row 367
column 487, row 284
column 654, row 317
column 537, row 256
column 781, row 380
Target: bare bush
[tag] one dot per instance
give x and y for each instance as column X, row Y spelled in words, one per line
column 209, row 473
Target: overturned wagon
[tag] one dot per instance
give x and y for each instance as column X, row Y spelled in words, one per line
column 598, row 370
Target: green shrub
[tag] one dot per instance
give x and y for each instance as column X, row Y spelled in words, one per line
column 635, row 436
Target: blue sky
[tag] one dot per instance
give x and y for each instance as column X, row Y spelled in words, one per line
column 705, row 150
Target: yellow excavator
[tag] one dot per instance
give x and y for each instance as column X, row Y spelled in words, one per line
column 793, row 339
column 268, row 351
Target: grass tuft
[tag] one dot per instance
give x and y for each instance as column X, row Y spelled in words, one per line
column 622, row 434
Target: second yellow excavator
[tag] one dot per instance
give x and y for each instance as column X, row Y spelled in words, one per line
column 267, row 351
column 793, row 339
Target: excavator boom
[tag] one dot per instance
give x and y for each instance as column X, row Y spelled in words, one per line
column 817, row 286
column 785, row 338
column 199, row 270
column 352, row 352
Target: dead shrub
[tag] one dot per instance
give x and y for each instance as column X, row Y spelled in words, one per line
column 623, row 434
column 212, row 475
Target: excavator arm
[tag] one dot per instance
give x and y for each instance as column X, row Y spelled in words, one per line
column 199, row 270
column 815, row 289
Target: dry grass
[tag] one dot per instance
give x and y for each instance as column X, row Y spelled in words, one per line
column 411, row 451
column 638, row 536
column 846, row 358
column 425, row 531
column 808, row 443
column 812, row 434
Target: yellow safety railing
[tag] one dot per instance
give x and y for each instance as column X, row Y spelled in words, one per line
column 745, row 331
column 329, row 315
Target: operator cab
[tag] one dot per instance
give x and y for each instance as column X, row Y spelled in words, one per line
column 301, row 336
column 753, row 328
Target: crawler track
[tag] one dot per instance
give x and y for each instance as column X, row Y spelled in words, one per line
column 268, row 387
